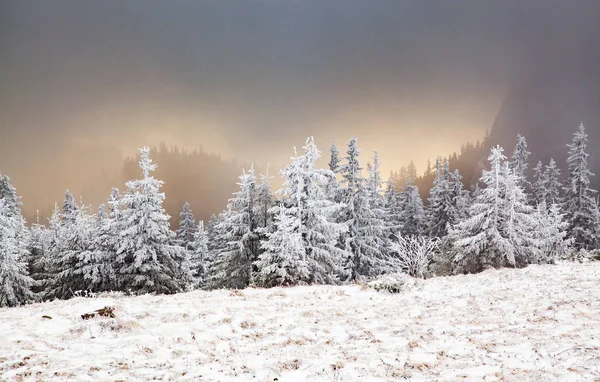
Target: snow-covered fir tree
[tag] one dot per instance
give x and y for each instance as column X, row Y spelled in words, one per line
column 367, row 229
column 283, row 262
column 69, row 208
column 147, row 261
column 199, row 255
column 374, row 183
column 13, row 204
column 74, row 252
column 187, row 228
column 461, row 199
column 412, row 213
column 15, row 282
column 332, row 189
column 499, row 229
column 8, row 194
column 550, row 233
column 103, row 269
column 264, row 200
column 477, row 242
column 366, row 239
column 39, row 254
column 441, row 203
column 552, row 185
column 392, row 209
column 518, row 224
column 232, row 266
column 518, row 163
column 579, row 196
column 303, row 196
column 538, row 187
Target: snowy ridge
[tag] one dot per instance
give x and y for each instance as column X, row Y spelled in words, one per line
column 536, row 324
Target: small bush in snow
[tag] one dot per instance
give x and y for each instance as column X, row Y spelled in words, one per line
column 414, row 253
column 581, row 256
column 393, row 283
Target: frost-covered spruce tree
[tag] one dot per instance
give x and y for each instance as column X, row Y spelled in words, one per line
column 550, row 233
column 39, row 249
column 461, row 199
column 374, row 184
column 539, row 185
column 366, row 240
column 147, row 261
column 102, row 273
column 187, row 228
column 75, row 251
column 412, row 215
column 69, row 209
column 264, row 200
column 518, row 223
column 53, row 241
column 199, row 255
column 518, row 163
column 392, row 209
column 15, row 282
column 8, row 194
column 232, row 266
column 552, row 185
column 304, row 196
column 74, row 261
column 579, row 196
column 13, row 204
column 332, row 189
column 440, row 208
column 478, row 241
column 367, row 230
column 283, row 262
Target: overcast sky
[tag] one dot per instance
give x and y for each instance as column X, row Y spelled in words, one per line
column 251, row 79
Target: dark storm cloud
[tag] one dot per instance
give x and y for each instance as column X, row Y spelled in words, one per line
column 241, row 77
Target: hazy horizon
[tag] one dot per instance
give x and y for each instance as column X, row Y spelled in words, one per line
column 86, row 83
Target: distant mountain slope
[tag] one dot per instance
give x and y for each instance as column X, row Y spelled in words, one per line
column 546, row 105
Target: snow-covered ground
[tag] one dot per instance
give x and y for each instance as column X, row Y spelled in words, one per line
column 541, row 323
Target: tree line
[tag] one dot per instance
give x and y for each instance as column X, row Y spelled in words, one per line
column 324, row 226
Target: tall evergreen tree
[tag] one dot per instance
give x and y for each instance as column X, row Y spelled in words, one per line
column 73, row 252
column 283, row 262
column 147, row 261
column 304, row 196
column 579, row 197
column 539, row 185
column 518, row 163
column 199, row 256
column 550, row 233
column 264, row 200
column 237, row 231
column 104, row 267
column 8, row 194
column 69, row 210
column 187, row 228
column 441, row 203
column 39, row 249
column 461, row 199
column 367, row 229
column 15, row 282
column 392, row 209
column 518, row 221
column 552, row 185
column 412, row 215
column 499, row 229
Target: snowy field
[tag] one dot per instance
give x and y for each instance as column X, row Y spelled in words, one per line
column 536, row 324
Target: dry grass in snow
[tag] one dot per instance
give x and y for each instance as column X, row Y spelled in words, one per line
column 541, row 323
